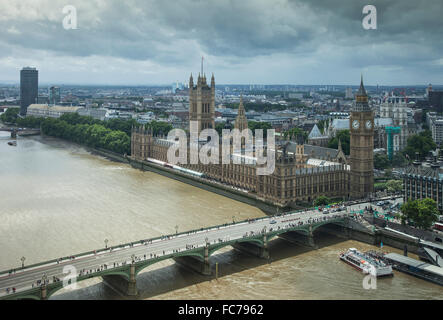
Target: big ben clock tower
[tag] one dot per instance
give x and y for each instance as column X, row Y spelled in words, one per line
column 362, row 146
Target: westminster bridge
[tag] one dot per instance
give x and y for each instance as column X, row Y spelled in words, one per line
column 119, row 265
column 20, row 131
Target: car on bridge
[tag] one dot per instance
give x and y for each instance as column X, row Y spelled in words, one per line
column 272, row 222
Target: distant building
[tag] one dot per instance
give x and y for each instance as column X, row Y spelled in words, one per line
column 337, row 125
column 42, row 100
column 396, row 109
column 348, row 93
column 424, row 180
column 46, row 111
column 54, row 95
column 96, row 113
column 436, row 100
column 437, row 130
column 28, row 88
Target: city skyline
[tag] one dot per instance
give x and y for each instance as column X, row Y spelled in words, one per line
column 286, row 42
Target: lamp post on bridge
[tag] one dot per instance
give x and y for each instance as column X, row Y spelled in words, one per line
column 106, row 243
column 176, row 229
column 233, row 219
column 133, row 258
column 23, row 261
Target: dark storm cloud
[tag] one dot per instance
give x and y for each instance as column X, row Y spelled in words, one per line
column 235, row 32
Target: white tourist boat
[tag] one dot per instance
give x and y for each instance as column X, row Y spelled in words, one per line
column 366, row 263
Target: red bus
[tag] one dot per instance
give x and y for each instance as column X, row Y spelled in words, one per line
column 438, row 226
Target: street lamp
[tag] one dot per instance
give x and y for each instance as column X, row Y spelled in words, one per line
column 23, row 261
column 176, row 229
column 133, row 258
column 44, row 279
column 106, row 243
column 233, row 219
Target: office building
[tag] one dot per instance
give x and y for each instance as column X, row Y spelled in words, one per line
column 28, row 88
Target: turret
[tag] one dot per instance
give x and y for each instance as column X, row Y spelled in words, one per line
column 191, row 82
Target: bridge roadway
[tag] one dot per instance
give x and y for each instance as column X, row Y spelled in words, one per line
column 23, row 279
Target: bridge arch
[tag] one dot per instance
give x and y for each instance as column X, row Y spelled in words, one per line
column 323, row 223
column 144, row 264
column 122, row 271
column 276, row 233
column 218, row 246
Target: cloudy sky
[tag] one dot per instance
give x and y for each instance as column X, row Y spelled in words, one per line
column 138, row 42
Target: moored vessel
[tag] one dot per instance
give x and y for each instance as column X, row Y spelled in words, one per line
column 365, row 263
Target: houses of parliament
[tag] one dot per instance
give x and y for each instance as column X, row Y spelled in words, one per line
column 302, row 171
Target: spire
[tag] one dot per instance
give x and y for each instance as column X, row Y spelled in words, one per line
column 241, row 109
column 361, row 90
column 361, row 99
column 191, row 81
column 241, row 122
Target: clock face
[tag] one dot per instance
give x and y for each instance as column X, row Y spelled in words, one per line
column 355, row 124
column 368, row 124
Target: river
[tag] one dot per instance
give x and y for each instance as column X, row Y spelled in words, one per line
column 58, row 199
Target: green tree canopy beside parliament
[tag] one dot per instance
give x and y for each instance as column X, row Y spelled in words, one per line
column 421, row 213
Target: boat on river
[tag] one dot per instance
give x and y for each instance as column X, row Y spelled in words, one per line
column 366, row 263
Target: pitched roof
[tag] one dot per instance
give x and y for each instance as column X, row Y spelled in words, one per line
column 315, row 133
column 424, row 171
column 315, row 151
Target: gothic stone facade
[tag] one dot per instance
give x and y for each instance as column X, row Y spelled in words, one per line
column 293, row 180
column 362, row 146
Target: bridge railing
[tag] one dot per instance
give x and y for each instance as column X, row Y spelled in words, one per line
column 142, row 242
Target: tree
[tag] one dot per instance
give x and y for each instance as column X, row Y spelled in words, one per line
column 322, row 201
column 94, row 135
column 254, row 125
column 10, row 115
column 421, row 213
column 159, row 127
column 399, row 160
column 344, row 137
column 381, row 161
column 219, row 127
column 421, row 143
column 296, row 132
column 394, row 186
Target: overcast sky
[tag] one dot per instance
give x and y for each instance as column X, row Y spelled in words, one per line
column 138, row 42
